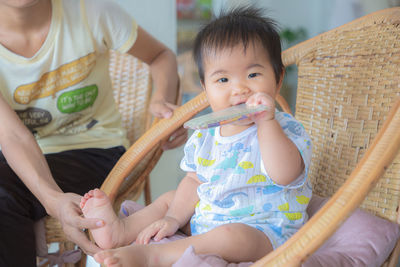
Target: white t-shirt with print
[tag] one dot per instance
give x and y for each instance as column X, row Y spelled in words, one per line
column 63, row 93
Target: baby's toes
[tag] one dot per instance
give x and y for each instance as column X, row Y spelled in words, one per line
column 83, row 202
column 97, row 193
column 107, row 257
column 102, row 255
column 112, row 261
column 90, row 193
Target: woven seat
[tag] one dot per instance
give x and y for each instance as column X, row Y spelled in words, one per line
column 348, row 80
column 132, row 87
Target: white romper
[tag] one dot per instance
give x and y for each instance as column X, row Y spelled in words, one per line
column 236, row 187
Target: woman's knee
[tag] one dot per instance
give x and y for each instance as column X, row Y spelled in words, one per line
column 16, row 199
column 9, row 204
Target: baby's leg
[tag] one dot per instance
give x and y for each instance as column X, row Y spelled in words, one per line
column 117, row 232
column 233, row 242
column 96, row 204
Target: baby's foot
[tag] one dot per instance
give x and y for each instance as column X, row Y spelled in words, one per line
column 96, row 204
column 133, row 255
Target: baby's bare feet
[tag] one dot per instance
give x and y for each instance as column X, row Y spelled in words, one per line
column 96, row 204
column 129, row 256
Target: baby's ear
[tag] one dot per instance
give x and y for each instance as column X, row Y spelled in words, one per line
column 202, row 85
column 279, row 85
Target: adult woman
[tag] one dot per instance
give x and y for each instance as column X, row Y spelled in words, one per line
column 53, row 74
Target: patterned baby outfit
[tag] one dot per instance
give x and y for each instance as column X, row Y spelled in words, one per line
column 236, row 187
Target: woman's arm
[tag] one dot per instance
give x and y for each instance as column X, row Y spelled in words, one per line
column 26, row 159
column 24, row 156
column 163, row 66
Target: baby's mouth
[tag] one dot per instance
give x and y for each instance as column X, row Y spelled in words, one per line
column 240, row 102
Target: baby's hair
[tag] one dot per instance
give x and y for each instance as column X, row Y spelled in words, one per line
column 242, row 24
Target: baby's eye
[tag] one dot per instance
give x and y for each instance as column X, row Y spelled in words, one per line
column 252, row 75
column 223, row 80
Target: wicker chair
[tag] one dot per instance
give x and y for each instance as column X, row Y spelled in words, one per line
column 348, row 79
column 132, row 87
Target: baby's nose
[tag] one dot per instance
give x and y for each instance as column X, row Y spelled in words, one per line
column 241, row 89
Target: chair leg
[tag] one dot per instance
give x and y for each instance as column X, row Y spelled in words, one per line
column 40, row 262
column 147, row 191
column 82, row 262
column 65, row 246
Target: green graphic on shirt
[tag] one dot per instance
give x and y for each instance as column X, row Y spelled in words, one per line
column 77, row 100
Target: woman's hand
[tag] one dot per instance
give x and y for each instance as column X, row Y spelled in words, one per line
column 69, row 214
column 162, row 109
column 165, row 110
column 167, row 226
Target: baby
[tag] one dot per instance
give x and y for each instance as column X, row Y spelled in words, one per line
column 246, row 189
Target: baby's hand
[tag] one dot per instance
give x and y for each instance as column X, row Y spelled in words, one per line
column 167, row 226
column 262, row 99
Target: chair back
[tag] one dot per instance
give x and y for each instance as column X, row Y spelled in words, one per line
column 132, row 86
column 348, row 79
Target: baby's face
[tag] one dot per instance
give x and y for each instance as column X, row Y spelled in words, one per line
column 231, row 76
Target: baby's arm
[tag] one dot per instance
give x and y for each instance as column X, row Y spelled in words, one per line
column 281, row 158
column 179, row 212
